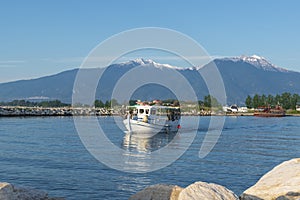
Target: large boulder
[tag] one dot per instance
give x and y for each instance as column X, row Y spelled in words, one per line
column 11, row 192
column 206, row 191
column 158, row 192
column 281, row 183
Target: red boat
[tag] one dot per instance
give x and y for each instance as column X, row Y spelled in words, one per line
column 278, row 111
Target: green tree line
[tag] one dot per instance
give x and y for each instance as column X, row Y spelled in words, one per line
column 209, row 101
column 286, row 100
column 107, row 104
column 54, row 103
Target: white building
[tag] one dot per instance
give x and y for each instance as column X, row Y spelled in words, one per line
column 235, row 109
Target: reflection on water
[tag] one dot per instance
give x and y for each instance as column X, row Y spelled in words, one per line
column 132, row 183
column 149, row 153
column 132, row 142
column 142, row 154
column 138, row 153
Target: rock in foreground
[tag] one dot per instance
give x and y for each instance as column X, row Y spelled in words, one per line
column 281, row 183
column 11, row 192
column 198, row 190
column 159, row 192
column 206, row 191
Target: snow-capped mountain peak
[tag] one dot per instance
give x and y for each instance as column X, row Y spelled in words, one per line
column 146, row 62
column 142, row 61
column 137, row 61
column 256, row 60
column 259, row 62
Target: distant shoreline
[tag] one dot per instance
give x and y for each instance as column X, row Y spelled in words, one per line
column 252, row 114
column 19, row 111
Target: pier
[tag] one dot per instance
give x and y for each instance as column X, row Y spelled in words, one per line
column 15, row 111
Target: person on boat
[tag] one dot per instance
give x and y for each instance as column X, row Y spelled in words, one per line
column 130, row 114
column 145, row 119
column 172, row 115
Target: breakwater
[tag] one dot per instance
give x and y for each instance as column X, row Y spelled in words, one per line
column 14, row 111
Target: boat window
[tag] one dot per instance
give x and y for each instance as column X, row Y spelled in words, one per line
column 153, row 112
column 147, row 111
column 141, row 111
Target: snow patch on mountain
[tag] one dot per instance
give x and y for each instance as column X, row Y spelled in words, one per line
column 254, row 60
column 257, row 61
column 148, row 62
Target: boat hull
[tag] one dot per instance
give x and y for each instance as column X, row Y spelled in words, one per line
column 269, row 114
column 135, row 126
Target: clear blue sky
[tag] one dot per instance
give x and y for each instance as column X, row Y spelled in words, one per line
column 45, row 37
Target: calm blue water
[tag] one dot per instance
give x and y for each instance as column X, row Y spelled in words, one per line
column 47, row 154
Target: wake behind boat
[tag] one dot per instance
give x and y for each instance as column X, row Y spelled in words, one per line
column 151, row 119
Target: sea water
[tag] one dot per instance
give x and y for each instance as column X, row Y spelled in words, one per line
column 46, row 153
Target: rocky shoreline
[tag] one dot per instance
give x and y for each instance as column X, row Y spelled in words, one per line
column 281, row 183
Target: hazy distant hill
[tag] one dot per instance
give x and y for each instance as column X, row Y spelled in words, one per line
column 57, row 86
column 241, row 75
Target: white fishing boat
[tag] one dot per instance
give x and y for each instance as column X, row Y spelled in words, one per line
column 152, row 119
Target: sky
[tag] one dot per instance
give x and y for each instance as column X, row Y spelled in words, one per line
column 39, row 38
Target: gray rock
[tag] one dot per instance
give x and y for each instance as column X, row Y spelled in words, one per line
column 11, row 192
column 158, row 192
column 281, row 183
column 206, row 191
column 289, row 196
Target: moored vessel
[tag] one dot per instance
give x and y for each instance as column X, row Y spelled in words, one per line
column 278, row 111
column 151, row 119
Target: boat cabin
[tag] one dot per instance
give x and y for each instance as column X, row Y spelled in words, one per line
column 147, row 113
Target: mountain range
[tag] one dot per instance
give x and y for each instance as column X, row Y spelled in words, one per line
column 242, row 76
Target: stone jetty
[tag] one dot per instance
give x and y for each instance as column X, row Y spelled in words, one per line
column 11, row 111
column 281, row 183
